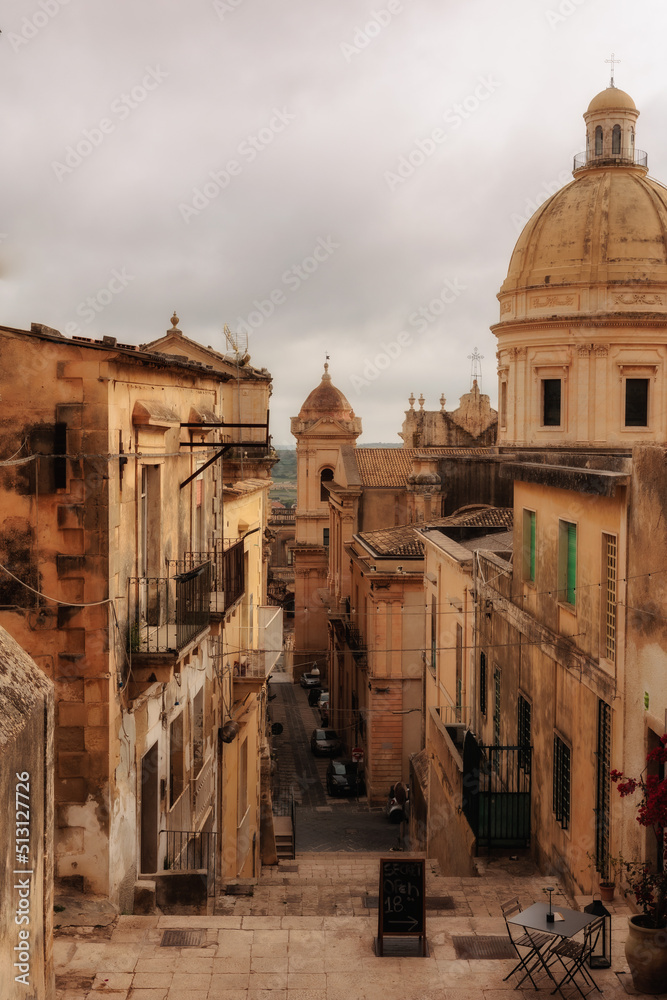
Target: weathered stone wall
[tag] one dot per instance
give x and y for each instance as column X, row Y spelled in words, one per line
column 26, row 826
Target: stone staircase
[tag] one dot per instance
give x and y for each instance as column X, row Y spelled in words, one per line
column 284, row 834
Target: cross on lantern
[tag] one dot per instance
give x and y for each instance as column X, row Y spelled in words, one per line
column 613, row 60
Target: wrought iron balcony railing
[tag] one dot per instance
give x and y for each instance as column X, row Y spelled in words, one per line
column 166, row 613
column 589, row 158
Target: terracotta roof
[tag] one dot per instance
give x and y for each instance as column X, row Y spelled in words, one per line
column 400, row 541
column 392, row 466
column 404, row 540
column 475, row 516
column 246, row 486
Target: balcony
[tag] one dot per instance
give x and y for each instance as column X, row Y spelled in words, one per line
column 253, row 665
column 227, row 573
column 629, row 158
column 348, row 633
column 167, row 613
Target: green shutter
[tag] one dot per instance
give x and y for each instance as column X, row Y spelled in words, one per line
column 571, row 563
column 532, row 547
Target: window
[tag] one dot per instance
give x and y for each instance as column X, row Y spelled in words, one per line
column 603, row 756
column 434, row 629
column 325, row 536
column 198, row 732
column 495, row 762
column 529, row 546
column 551, row 402
column 608, row 596
column 60, row 463
column 523, row 733
column 242, row 790
column 598, row 141
column 567, row 562
column 482, row 683
column 176, row 760
column 496, row 706
column 616, row 139
column 503, row 404
column 561, row 797
column 636, row 402
column 459, row 671
column 326, row 476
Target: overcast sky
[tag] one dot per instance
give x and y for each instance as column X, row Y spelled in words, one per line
column 315, row 172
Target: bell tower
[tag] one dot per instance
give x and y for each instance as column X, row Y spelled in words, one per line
column 325, row 424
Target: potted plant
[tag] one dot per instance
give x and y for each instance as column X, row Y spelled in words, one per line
column 608, row 879
column 646, row 945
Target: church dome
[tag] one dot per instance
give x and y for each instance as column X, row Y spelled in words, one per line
column 612, row 97
column 608, row 225
column 326, row 400
column 582, row 334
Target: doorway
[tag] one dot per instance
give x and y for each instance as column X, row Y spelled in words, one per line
column 149, row 810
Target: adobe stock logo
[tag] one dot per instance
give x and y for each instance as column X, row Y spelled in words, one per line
column 424, row 147
column 121, row 107
column 32, row 25
column 248, row 150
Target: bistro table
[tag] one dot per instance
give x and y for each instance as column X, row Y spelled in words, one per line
column 534, row 918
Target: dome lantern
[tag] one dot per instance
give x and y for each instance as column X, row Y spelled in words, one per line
column 610, row 119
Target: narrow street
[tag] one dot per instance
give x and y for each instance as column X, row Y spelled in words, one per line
column 323, row 822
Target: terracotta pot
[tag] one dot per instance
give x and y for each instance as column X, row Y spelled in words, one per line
column 646, row 955
column 607, row 890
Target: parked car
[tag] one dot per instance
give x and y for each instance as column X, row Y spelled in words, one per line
column 314, row 696
column 344, row 777
column 325, row 743
column 322, row 706
column 309, row 680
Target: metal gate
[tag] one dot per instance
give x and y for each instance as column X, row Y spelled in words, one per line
column 189, row 850
column 497, row 782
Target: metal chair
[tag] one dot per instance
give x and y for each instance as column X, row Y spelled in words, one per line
column 572, row 954
column 520, row 939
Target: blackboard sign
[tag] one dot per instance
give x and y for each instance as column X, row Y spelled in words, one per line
column 402, row 899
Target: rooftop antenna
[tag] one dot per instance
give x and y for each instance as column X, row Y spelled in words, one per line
column 475, row 367
column 238, row 342
column 613, row 60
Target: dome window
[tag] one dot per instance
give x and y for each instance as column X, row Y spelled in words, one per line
column 636, row 402
column 598, row 141
column 326, row 476
column 616, row 140
column 551, row 402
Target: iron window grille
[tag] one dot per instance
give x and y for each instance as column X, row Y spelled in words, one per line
column 561, row 790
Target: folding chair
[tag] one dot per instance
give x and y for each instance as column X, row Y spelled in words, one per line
column 572, row 954
column 520, row 939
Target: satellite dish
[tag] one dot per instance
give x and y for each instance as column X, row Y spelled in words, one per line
column 276, row 728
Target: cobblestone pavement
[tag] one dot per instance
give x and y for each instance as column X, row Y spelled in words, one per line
column 279, row 954
column 306, row 930
column 323, row 822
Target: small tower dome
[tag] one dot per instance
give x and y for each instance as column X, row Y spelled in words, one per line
column 610, row 119
column 326, row 399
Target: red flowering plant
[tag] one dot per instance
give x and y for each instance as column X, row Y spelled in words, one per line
column 648, row 885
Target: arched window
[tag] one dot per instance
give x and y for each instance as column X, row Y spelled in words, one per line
column 598, row 141
column 326, row 476
column 616, row 139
